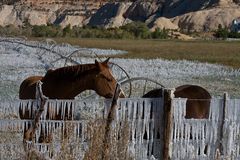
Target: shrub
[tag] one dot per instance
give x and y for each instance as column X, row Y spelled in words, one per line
column 133, row 30
column 221, row 32
column 160, row 34
column 67, row 30
column 10, row 30
column 46, row 31
column 139, row 29
column 234, row 35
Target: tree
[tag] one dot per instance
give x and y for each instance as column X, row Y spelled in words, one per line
column 67, row 30
column 160, row 34
column 222, row 32
column 139, row 29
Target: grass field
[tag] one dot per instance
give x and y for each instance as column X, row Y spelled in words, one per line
column 221, row 52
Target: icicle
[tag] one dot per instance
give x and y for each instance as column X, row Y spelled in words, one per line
column 63, row 128
column 38, row 132
column 58, row 107
column 69, row 107
column 130, row 111
column 124, row 113
column 82, row 137
column 29, row 108
column 23, row 108
column 48, row 110
column 62, row 110
column 47, row 127
column 52, row 109
column 14, row 107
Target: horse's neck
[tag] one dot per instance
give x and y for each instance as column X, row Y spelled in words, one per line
column 69, row 89
column 85, row 83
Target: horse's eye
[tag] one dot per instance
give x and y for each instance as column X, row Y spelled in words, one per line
column 105, row 77
column 109, row 79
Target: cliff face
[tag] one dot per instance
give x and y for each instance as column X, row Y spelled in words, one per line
column 41, row 12
column 188, row 15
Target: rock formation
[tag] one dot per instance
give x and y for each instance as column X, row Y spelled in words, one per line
column 187, row 15
column 110, row 15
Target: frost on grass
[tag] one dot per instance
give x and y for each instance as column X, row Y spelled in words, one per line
column 20, row 59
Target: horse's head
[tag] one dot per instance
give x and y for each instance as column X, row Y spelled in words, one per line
column 105, row 83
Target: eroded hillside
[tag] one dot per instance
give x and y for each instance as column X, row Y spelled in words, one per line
column 188, row 15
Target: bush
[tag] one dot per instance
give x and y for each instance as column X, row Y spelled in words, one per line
column 224, row 33
column 221, row 32
column 160, row 34
column 10, row 30
column 133, row 30
column 67, row 30
column 139, row 29
column 234, row 35
column 46, row 31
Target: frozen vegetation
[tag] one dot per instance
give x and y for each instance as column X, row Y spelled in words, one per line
column 20, row 58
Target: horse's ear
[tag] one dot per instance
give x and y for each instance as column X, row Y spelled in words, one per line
column 49, row 71
column 107, row 60
column 98, row 65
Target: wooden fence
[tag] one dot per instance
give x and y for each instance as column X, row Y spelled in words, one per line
column 217, row 137
column 147, row 128
column 143, row 117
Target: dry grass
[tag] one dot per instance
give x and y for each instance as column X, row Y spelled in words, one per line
column 118, row 142
column 221, row 52
column 72, row 148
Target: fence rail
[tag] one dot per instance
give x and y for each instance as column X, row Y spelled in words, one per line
column 142, row 116
column 217, row 136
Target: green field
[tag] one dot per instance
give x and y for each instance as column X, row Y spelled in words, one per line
column 221, row 52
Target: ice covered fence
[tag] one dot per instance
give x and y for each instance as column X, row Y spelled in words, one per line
column 138, row 121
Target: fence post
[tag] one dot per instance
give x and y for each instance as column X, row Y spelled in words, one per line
column 41, row 100
column 225, row 99
column 110, row 118
column 168, row 125
column 41, row 103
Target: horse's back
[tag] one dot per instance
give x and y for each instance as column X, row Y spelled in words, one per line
column 192, row 92
column 28, row 87
column 198, row 99
column 198, row 103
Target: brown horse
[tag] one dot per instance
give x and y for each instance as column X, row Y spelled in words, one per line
column 68, row 82
column 198, row 99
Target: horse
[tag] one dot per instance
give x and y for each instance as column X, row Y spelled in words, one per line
column 198, row 99
column 67, row 83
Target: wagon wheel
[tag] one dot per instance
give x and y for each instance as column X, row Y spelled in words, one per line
column 76, row 56
column 44, row 54
column 138, row 86
column 62, row 57
column 119, row 73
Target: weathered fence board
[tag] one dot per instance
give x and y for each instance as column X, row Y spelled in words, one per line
column 143, row 117
column 200, row 139
column 189, row 138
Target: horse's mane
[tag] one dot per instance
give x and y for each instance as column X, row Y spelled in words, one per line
column 70, row 72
